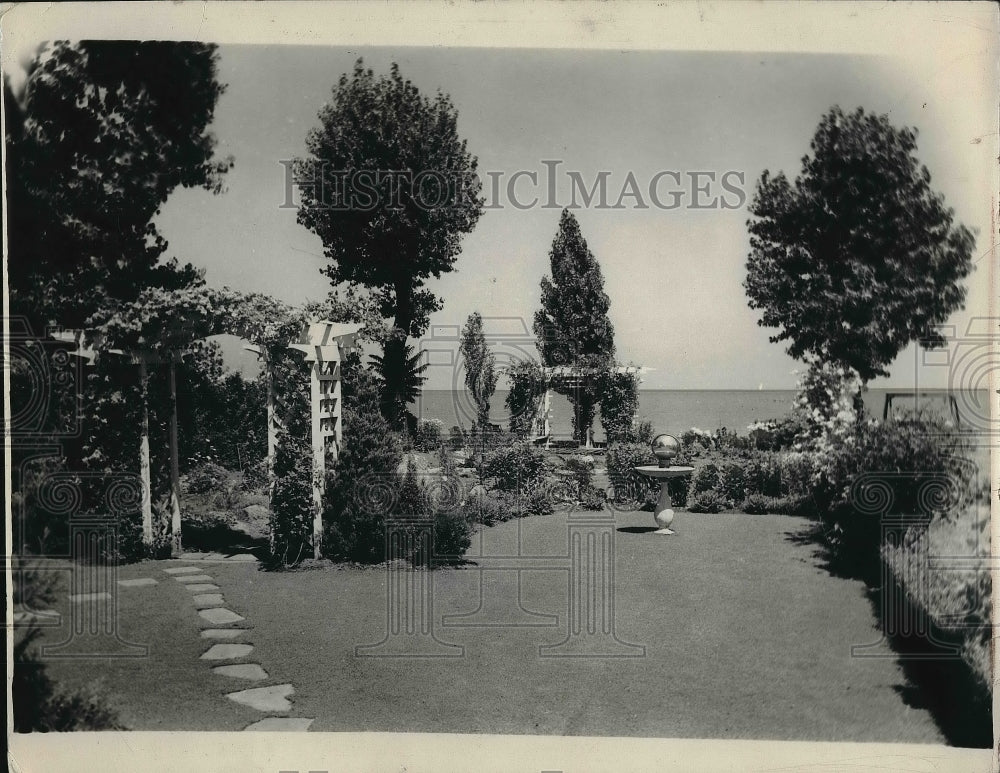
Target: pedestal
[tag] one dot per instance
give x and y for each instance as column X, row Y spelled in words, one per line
column 663, row 514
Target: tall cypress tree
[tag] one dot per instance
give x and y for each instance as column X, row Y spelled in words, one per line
column 572, row 326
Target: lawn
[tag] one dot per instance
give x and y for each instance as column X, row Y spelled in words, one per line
column 746, row 636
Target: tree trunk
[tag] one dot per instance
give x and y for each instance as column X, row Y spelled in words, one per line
column 394, row 356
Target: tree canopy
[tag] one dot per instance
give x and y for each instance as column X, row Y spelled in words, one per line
column 101, row 135
column 391, row 189
column 859, row 257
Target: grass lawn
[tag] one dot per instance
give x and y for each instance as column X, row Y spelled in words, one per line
column 745, row 635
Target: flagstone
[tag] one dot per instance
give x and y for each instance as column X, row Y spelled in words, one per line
column 279, row 724
column 220, row 616
column 188, row 578
column 273, row 698
column 223, row 633
column 201, row 587
column 204, row 600
column 251, row 671
column 138, row 583
column 227, row 651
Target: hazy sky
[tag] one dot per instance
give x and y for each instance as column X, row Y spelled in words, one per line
column 674, row 277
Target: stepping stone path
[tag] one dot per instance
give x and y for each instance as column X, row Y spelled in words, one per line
column 250, row 671
column 205, row 600
column 210, row 604
column 140, row 583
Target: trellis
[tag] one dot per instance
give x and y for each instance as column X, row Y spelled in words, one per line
column 566, row 378
column 325, row 345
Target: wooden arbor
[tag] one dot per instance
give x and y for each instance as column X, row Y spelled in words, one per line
column 325, row 345
column 144, row 358
column 565, row 378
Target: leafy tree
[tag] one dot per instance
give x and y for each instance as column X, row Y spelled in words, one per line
column 572, row 326
column 101, row 135
column 480, row 374
column 859, row 257
column 390, row 189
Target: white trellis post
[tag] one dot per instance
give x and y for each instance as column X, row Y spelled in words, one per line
column 273, row 423
column 325, row 344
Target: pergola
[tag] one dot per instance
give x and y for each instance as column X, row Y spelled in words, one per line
column 325, row 345
column 567, row 378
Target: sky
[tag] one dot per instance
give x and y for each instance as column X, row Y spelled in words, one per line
column 674, row 277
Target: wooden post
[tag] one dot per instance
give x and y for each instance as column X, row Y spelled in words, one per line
column 175, row 476
column 319, row 454
column 147, row 500
column 272, row 423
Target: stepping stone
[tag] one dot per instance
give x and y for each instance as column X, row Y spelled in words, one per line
column 201, row 556
column 194, row 578
column 223, row 633
column 201, row 587
column 205, row 600
column 183, row 570
column 273, row 698
column 250, row 671
column 278, row 724
column 90, row 597
column 227, row 651
column 142, row 581
column 242, row 557
column 220, row 616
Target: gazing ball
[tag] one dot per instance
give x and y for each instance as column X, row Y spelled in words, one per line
column 665, row 448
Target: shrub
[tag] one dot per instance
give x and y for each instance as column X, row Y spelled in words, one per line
column 762, row 475
column 732, row 483
column 363, row 487
column 756, row 504
column 593, row 499
column 428, row 436
column 912, row 453
column 486, row 509
column 207, row 478
column 706, row 502
column 705, row 479
column 628, row 485
column 518, row 466
column 452, row 535
column 581, row 468
column 291, row 508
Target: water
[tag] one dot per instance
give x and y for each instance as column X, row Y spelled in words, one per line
column 675, row 411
